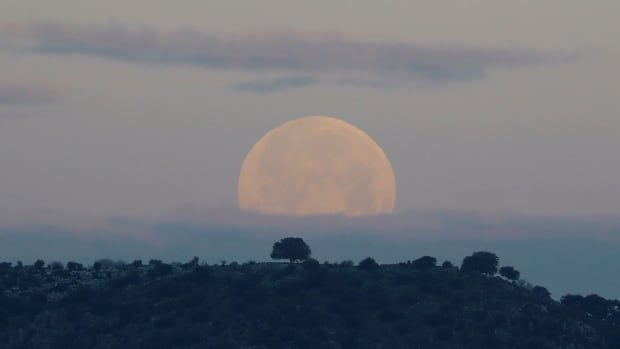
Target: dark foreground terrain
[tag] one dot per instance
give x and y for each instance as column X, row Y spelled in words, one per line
column 306, row 305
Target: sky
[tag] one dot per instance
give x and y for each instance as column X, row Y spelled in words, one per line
column 136, row 112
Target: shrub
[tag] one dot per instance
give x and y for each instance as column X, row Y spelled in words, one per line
column 39, row 264
column 447, row 264
column 159, row 269
column 541, row 292
column 107, row 263
column 571, row 300
column 593, row 304
column 481, row 262
column 191, row 264
column 424, row 263
column 509, row 273
column 96, row 266
column 346, row 264
column 5, row 266
column 368, row 264
column 56, row 266
column 74, row 266
column 311, row 263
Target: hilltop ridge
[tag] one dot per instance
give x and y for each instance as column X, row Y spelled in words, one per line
column 414, row 304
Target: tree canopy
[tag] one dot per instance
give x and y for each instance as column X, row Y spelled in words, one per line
column 424, row 263
column 481, row 262
column 293, row 249
column 509, row 273
column 368, row 264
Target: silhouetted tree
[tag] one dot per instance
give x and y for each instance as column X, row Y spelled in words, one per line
column 597, row 305
column 191, row 264
column 482, row 262
column 107, row 263
column 346, row 263
column 74, row 266
column 368, row 264
column 509, row 273
column 56, row 266
column 39, row 264
column 593, row 304
column 159, row 269
column 424, row 263
column 5, row 266
column 447, row 264
column 293, row 249
column 571, row 300
column 541, row 292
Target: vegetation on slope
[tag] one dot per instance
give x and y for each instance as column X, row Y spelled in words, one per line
column 415, row 304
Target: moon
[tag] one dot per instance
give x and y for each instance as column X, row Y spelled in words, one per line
column 317, row 165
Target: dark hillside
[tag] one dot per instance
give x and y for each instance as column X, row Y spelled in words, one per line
column 277, row 305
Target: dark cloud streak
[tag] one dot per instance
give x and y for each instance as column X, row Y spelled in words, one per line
column 288, row 53
column 275, row 85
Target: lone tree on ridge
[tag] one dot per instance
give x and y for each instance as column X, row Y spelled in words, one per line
column 293, row 249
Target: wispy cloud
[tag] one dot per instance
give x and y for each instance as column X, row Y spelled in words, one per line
column 369, row 83
column 296, row 53
column 275, row 85
column 25, row 94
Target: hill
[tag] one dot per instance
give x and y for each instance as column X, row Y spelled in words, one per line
column 414, row 304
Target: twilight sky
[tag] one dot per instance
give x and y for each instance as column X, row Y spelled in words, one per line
column 143, row 109
column 117, row 108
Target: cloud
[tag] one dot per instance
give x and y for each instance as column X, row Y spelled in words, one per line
column 275, row 85
column 296, row 53
column 24, row 94
column 369, row 83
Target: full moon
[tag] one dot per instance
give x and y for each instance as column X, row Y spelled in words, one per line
column 317, row 165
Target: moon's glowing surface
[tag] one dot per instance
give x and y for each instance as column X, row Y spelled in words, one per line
column 317, row 165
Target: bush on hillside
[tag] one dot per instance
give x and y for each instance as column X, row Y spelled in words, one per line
column 481, row 262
